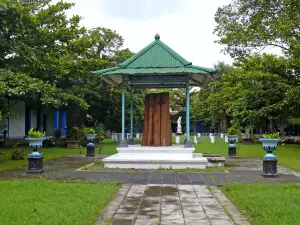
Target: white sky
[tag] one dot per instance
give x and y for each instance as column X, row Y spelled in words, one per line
column 184, row 25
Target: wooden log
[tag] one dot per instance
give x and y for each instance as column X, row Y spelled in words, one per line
column 150, row 121
column 146, row 119
column 165, row 120
column 157, row 120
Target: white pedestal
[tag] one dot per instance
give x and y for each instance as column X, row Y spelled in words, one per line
column 177, row 139
column 226, row 139
column 146, row 157
column 137, row 135
column 222, row 135
column 212, row 139
column 195, row 139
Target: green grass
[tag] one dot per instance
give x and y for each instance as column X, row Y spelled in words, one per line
column 49, row 203
column 265, row 204
column 288, row 155
column 49, row 153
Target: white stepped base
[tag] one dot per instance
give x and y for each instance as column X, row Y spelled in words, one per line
column 144, row 157
column 115, row 162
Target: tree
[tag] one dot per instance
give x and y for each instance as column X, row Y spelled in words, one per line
column 35, row 37
column 245, row 26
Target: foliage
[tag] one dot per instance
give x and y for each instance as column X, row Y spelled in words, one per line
column 74, row 133
column 87, row 130
column 246, row 25
column 46, row 57
column 33, row 133
column 17, row 153
column 233, row 131
column 99, row 128
column 274, row 135
column 255, row 91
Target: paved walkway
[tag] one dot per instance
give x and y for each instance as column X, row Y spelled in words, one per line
column 243, row 170
column 170, row 205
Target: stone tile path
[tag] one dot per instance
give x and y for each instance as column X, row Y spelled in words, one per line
column 170, row 205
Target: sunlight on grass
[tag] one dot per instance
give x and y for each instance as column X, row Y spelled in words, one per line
column 47, row 202
column 265, row 204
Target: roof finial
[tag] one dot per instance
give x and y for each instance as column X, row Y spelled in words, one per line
column 157, row 37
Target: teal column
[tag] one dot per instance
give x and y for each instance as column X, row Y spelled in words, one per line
column 188, row 143
column 188, row 110
column 123, row 142
column 131, row 140
column 123, row 110
column 131, row 113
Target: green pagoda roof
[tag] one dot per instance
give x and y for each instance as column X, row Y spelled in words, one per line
column 158, row 61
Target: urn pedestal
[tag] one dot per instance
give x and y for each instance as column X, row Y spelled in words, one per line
column 232, row 147
column 269, row 160
column 35, row 159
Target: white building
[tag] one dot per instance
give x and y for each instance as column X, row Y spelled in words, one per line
column 26, row 117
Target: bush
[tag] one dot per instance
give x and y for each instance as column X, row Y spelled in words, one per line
column 233, row 131
column 33, row 133
column 17, row 153
column 274, row 135
column 75, row 133
column 87, row 130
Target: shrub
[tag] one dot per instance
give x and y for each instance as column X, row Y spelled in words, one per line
column 87, row 130
column 74, row 133
column 33, row 133
column 233, row 131
column 274, row 135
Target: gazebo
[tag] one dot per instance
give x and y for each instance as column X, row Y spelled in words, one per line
column 155, row 66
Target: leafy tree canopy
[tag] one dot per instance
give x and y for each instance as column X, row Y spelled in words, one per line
column 245, row 26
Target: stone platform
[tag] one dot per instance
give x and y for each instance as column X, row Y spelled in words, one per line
column 148, row 157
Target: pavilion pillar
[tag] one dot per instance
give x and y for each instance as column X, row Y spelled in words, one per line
column 188, row 143
column 131, row 140
column 123, row 142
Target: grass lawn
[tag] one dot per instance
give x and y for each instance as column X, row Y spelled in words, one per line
column 264, row 204
column 49, row 203
column 49, row 153
column 288, row 154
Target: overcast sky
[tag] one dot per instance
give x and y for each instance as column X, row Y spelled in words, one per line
column 184, row 25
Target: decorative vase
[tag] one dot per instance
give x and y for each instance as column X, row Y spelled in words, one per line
column 90, row 147
column 35, row 159
column 269, row 145
column 35, row 144
column 269, row 160
column 232, row 138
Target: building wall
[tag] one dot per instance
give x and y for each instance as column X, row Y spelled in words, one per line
column 16, row 129
column 17, row 124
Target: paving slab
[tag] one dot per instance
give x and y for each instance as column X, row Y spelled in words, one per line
column 170, row 205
